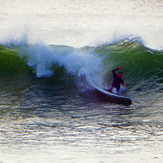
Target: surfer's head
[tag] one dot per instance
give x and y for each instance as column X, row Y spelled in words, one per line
column 120, row 74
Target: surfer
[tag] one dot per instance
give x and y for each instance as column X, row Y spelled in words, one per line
column 117, row 81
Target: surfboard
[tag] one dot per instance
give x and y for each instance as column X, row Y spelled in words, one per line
column 111, row 97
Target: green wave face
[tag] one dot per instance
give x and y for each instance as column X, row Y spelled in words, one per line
column 15, row 74
column 139, row 63
column 11, row 64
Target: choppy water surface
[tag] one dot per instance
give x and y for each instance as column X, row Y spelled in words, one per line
column 55, row 123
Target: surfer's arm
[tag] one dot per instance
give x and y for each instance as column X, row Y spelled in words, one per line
column 113, row 71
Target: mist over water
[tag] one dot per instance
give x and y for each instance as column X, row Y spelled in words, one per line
column 53, row 53
column 82, row 23
column 75, row 62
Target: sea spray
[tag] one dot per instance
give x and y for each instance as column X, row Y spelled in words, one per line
column 42, row 58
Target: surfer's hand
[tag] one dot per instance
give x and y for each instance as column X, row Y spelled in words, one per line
column 120, row 67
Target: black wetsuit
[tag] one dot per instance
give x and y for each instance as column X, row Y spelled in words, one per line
column 117, row 80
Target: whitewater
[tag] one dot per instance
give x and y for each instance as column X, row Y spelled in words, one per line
column 52, row 55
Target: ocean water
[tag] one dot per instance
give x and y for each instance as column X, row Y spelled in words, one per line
column 52, row 53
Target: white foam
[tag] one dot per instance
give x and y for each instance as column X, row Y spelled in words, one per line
column 42, row 58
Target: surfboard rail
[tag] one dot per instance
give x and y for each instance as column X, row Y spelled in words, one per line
column 111, row 97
